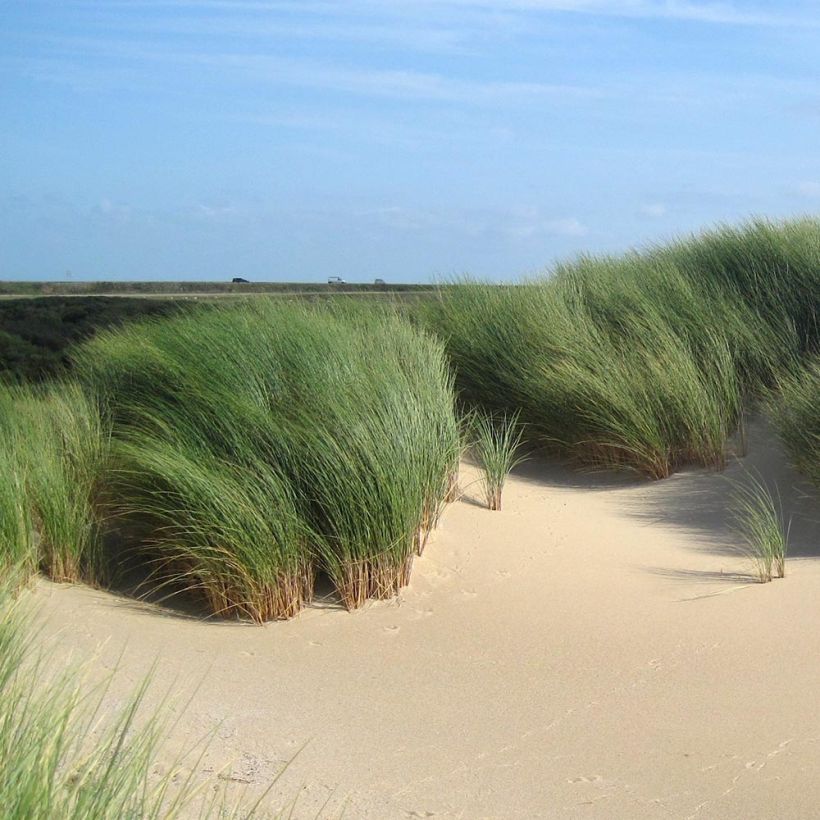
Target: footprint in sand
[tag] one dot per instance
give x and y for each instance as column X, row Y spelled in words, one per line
column 392, row 630
column 420, row 614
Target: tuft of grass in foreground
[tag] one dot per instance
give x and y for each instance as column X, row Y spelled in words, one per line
column 796, row 412
column 644, row 361
column 759, row 520
column 60, row 760
column 497, row 443
column 256, row 444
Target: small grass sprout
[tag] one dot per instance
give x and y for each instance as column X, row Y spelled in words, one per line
column 497, row 444
column 758, row 517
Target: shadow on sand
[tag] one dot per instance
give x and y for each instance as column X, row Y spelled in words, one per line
column 699, row 501
column 133, row 585
column 696, row 501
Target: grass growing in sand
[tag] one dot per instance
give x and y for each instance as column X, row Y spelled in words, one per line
column 257, row 444
column 243, row 449
column 56, row 761
column 647, row 360
column 64, row 755
column 497, row 444
column 759, row 520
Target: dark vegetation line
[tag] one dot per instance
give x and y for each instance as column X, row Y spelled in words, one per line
column 36, row 334
column 37, row 331
column 18, row 288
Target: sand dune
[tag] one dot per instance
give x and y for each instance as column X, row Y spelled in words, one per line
column 596, row 649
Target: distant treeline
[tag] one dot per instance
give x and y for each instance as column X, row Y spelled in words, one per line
column 35, row 333
column 180, row 288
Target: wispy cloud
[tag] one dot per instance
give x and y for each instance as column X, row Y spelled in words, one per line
column 304, row 73
column 106, row 61
column 809, row 189
column 419, row 37
column 653, row 209
column 719, row 13
column 534, row 226
column 522, row 224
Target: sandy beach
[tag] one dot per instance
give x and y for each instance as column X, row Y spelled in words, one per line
column 596, row 649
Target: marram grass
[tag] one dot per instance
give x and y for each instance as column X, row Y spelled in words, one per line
column 497, row 444
column 258, row 444
column 65, row 754
column 53, row 449
column 644, row 361
column 759, row 521
column 796, row 412
column 17, row 546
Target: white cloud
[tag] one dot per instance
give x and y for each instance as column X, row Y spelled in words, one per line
column 518, row 224
column 809, row 189
column 116, row 212
column 566, row 227
column 723, row 13
column 654, row 209
column 214, row 212
column 527, row 223
column 720, row 13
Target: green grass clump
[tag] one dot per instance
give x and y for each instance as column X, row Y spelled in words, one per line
column 497, row 444
column 53, row 449
column 759, row 521
column 55, row 759
column 257, row 444
column 773, row 267
column 17, row 546
column 644, row 361
column 796, row 411
column 64, row 754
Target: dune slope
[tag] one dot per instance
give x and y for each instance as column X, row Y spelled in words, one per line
column 596, row 649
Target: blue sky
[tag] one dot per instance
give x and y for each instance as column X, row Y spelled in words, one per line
column 405, row 139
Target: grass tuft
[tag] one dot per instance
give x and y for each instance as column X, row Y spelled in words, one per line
column 54, row 450
column 759, row 520
column 644, row 361
column 497, row 444
column 58, row 756
column 257, row 444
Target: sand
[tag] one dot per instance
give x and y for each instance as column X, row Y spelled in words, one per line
column 596, row 649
